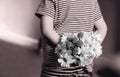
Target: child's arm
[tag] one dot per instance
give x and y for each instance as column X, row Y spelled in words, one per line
column 99, row 21
column 47, row 29
column 101, row 27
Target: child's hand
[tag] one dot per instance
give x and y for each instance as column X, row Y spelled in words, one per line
column 90, row 67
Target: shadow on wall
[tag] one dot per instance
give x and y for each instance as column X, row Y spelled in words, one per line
column 110, row 12
column 108, row 72
column 107, row 67
column 17, row 61
column 112, row 42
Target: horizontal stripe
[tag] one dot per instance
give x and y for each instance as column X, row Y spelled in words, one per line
column 74, row 71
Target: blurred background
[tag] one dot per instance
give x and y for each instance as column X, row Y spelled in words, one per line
column 20, row 33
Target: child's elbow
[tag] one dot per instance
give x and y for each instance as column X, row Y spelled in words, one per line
column 101, row 25
column 45, row 32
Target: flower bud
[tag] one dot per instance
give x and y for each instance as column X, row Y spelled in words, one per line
column 80, row 35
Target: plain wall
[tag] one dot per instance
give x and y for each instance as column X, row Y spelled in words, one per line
column 19, row 16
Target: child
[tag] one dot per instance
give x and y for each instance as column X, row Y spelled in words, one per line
column 61, row 16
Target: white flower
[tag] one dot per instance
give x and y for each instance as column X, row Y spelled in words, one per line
column 63, row 38
column 98, row 36
column 63, row 63
column 69, row 60
column 68, row 34
column 86, row 59
column 60, row 60
column 75, row 34
column 79, row 50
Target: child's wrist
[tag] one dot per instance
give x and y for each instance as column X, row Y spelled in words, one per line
column 59, row 40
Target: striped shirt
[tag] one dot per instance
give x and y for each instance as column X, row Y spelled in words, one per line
column 69, row 16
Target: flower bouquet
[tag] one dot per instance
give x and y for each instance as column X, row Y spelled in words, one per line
column 78, row 49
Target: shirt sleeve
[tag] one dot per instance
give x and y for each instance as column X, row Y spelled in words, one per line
column 97, row 11
column 46, row 7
